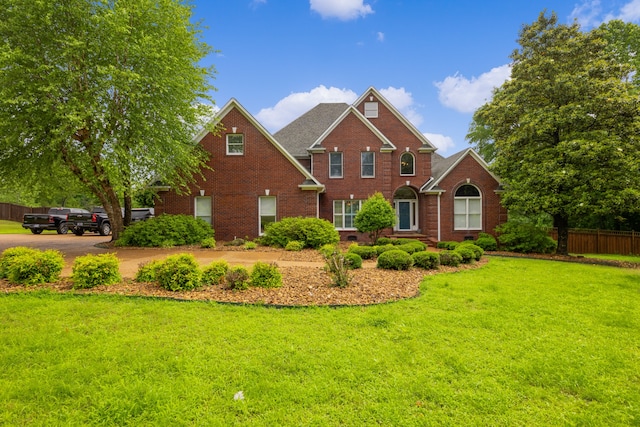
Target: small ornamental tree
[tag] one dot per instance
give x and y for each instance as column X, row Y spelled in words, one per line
column 375, row 215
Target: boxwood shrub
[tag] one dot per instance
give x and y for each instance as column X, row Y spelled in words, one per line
column 179, row 273
column 466, row 253
column 411, row 247
column 294, row 245
column 395, row 259
column 313, row 232
column 365, row 252
column 213, row 274
column 352, row 260
column 166, row 231
column 426, row 260
column 89, row 271
column 265, row 275
column 448, row 245
column 487, row 242
column 384, row 248
column 477, row 250
column 450, row 258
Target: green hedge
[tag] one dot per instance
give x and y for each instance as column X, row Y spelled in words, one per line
column 313, row 232
column 167, row 231
column 426, row 260
column 27, row 266
column 365, row 252
column 395, row 260
column 179, row 273
column 93, row 270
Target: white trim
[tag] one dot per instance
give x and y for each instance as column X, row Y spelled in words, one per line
column 275, row 215
column 413, row 156
column 333, row 209
column 341, row 165
column 467, row 227
column 195, row 208
column 439, row 223
column 226, row 137
column 467, row 152
column 373, row 175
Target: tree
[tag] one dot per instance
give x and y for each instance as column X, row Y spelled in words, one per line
column 110, row 89
column 481, row 136
column 566, row 127
column 375, row 215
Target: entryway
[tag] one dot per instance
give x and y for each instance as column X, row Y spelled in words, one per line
column 405, row 202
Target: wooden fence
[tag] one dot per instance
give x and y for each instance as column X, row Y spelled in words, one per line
column 13, row 212
column 602, row 241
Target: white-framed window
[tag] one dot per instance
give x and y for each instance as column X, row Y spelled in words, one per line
column 344, row 213
column 235, row 144
column 335, row 164
column 407, row 164
column 367, row 164
column 371, row 110
column 203, row 209
column 467, row 208
column 266, row 211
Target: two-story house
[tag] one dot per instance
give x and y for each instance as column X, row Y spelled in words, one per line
column 326, row 164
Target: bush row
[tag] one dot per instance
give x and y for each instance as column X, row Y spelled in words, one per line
column 310, row 232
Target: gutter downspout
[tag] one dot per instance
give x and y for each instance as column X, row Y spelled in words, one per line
column 439, row 236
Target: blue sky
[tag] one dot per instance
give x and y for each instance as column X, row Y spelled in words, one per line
column 436, row 61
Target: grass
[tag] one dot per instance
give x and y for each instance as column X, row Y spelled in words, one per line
column 626, row 258
column 12, row 227
column 517, row 342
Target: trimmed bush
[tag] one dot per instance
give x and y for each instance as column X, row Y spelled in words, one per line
column 89, row 271
column 147, row 271
column 477, row 250
column 450, row 258
column 405, row 241
column 364, row 252
column 208, row 243
column 264, row 275
column 313, row 232
column 466, row 253
column 294, row 245
column 237, row 278
column 395, row 259
column 352, row 260
column 487, row 242
column 214, row 273
column 411, row 247
column 8, row 256
column 426, row 260
column 447, row 245
column 382, row 249
column 166, row 231
column 32, row 267
column 384, row 241
column 250, row 245
column 179, row 273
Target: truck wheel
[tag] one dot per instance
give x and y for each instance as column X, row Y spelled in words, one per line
column 105, row 229
column 78, row 232
column 36, row 231
column 63, row 228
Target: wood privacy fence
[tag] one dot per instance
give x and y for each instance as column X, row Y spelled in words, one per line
column 602, row 241
column 13, row 212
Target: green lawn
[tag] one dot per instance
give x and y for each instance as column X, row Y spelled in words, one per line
column 12, row 227
column 517, row 342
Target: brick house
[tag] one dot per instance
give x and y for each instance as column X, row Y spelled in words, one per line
column 326, row 164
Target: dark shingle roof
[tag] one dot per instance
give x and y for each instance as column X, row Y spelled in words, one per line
column 300, row 134
column 440, row 165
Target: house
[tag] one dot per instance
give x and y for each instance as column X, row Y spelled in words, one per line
column 326, row 164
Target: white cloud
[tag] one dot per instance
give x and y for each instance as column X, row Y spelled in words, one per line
column 296, row 104
column 380, row 36
column 444, row 143
column 630, row 12
column 344, row 10
column 466, row 95
column 587, row 14
column 403, row 101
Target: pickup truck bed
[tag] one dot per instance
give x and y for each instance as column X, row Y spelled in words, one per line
column 55, row 219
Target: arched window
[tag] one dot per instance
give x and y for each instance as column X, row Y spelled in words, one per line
column 467, row 208
column 407, row 164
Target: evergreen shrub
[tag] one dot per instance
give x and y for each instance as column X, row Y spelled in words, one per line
column 466, row 253
column 237, row 278
column 477, row 250
column 89, row 271
column 395, row 259
column 265, row 275
column 450, row 245
column 166, row 231
column 426, row 260
column 313, row 232
column 365, row 252
column 179, row 272
column 294, row 245
column 487, row 242
column 147, row 271
column 26, row 266
column 352, row 260
column 450, row 258
column 213, row 274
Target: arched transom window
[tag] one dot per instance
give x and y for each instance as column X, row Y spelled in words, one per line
column 407, row 164
column 467, row 208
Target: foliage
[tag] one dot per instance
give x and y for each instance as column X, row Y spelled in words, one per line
column 208, row 243
column 98, row 91
column 381, row 241
column 450, row 258
column 338, row 268
column 364, row 252
column 265, row 275
column 250, row 245
column 426, row 260
column 395, row 259
column 412, row 247
column 214, row 273
column 466, row 254
column 352, row 260
column 566, row 126
column 328, row 249
column 374, row 216
column 89, row 271
column 147, row 271
column 314, row 232
column 294, row 245
column 237, row 278
column 449, row 245
column 26, row 266
column 382, row 249
column 179, row 272
column 487, row 242
column 481, row 136
column 236, row 242
column 521, row 234
column 166, row 231
column 404, row 241
column 477, row 250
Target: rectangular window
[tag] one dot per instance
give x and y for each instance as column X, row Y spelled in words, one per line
column 235, row 144
column 335, row 165
column 203, row 209
column 467, row 214
column 344, row 213
column 367, row 161
column 267, row 211
column 371, row 110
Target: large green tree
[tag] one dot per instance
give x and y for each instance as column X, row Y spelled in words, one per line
column 566, row 126
column 111, row 89
column 374, row 216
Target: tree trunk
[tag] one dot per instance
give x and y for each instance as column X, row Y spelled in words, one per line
column 127, row 209
column 561, row 222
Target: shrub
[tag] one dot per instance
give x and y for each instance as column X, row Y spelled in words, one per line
column 365, row 252
column 294, row 245
column 466, row 253
column 382, row 249
column 31, row 267
column 313, row 232
column 477, row 250
column 92, row 270
column 250, row 245
column 447, row 245
column 395, row 259
column 384, row 241
column 525, row 236
column 147, row 271
column 213, row 273
column 411, row 247
column 8, row 256
column 450, row 258
column 375, row 215
column 426, row 260
column 265, row 275
column 405, row 241
column 352, row 260
column 179, row 273
column 237, row 278
column 328, row 249
column 338, row 268
column 235, row 242
column 166, row 231
column 208, row 243
column 487, row 242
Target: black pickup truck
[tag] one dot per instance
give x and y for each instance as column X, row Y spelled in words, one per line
column 97, row 221
column 55, row 219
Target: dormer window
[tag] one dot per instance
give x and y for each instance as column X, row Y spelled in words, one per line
column 371, row 110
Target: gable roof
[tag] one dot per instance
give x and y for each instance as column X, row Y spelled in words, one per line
column 309, row 183
column 441, row 167
column 301, row 133
column 427, row 146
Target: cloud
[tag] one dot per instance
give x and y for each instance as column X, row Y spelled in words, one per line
column 403, row 101
column 630, row 12
column 296, row 104
column 443, row 143
column 587, row 14
column 380, row 36
column 344, row 10
column 464, row 95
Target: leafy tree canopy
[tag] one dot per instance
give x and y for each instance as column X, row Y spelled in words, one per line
column 375, row 215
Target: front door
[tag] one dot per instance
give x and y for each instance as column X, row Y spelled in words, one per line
column 403, row 211
column 406, row 204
